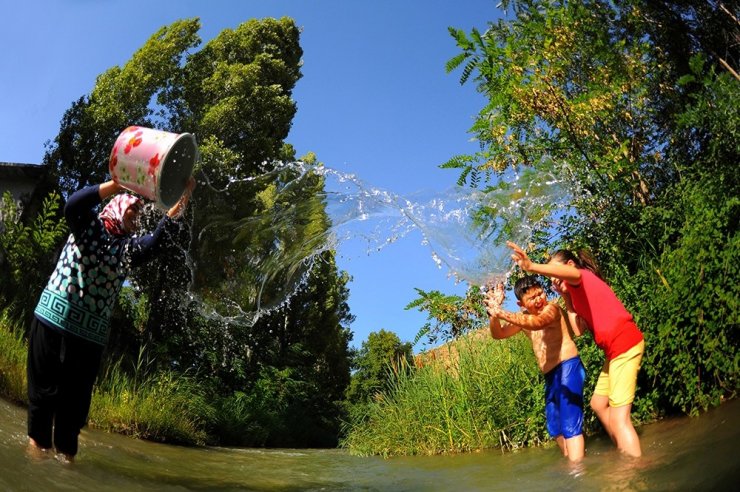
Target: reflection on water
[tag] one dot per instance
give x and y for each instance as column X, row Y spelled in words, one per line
column 679, row 454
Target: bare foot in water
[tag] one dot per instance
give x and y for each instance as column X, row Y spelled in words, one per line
column 35, row 451
column 65, row 458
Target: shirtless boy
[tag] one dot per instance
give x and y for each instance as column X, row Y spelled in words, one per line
column 557, row 356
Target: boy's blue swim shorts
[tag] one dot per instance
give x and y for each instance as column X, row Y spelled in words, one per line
column 564, row 398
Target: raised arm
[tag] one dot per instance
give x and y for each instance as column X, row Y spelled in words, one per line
column 108, row 189
column 500, row 331
column 493, row 300
column 79, row 209
column 532, row 322
column 143, row 248
column 178, row 208
column 568, row 273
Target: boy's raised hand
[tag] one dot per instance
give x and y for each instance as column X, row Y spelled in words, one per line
column 494, row 299
column 498, row 293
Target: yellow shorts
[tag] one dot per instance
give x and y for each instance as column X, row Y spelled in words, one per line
column 618, row 377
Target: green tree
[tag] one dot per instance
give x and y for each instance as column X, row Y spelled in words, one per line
column 78, row 155
column 27, row 254
column 306, row 341
column 234, row 94
column 689, row 295
column 238, row 88
column 448, row 316
column 215, row 295
column 382, row 351
column 293, row 393
column 633, row 108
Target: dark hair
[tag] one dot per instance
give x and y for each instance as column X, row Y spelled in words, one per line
column 582, row 259
column 524, row 284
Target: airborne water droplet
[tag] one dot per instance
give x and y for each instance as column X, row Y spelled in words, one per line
column 457, row 232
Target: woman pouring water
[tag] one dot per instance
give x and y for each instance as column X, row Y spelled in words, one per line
column 72, row 318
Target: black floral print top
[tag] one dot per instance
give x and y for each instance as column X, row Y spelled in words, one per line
column 81, row 293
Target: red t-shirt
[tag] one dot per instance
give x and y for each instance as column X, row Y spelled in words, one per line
column 612, row 325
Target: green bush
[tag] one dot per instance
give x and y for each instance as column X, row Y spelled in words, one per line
column 240, row 420
column 160, row 406
column 281, row 409
column 255, row 417
column 690, row 309
column 27, row 254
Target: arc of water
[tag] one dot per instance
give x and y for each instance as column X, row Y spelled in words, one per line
column 464, row 228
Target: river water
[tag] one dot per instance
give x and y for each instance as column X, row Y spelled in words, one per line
column 678, row 454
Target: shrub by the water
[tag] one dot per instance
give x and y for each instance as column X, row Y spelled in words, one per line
column 691, row 313
column 13, row 355
column 162, row 406
column 488, row 394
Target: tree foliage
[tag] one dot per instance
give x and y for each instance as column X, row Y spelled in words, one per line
column 372, row 364
column 27, row 253
column 448, row 316
column 690, row 296
column 78, row 155
column 242, row 245
column 637, row 100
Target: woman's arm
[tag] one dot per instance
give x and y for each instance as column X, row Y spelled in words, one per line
column 108, row 189
column 566, row 272
column 78, row 211
column 142, row 247
column 178, row 208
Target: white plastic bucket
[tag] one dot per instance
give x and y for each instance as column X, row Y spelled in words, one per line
column 153, row 163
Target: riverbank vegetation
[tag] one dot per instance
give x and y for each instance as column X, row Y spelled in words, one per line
column 13, row 353
column 469, row 394
column 231, row 362
column 482, row 395
column 633, row 105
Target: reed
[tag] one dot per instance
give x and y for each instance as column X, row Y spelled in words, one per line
column 13, row 356
column 488, row 394
column 160, row 406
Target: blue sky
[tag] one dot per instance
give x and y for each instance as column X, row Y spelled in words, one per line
column 374, row 101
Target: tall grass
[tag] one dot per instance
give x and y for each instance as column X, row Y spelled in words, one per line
column 490, row 395
column 13, row 356
column 160, row 406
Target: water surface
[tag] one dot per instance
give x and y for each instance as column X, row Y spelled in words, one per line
column 679, row 454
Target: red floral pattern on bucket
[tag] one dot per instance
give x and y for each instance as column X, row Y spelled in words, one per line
column 133, row 142
column 153, row 164
column 114, row 157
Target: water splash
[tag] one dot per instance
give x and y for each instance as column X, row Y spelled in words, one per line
column 464, row 230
